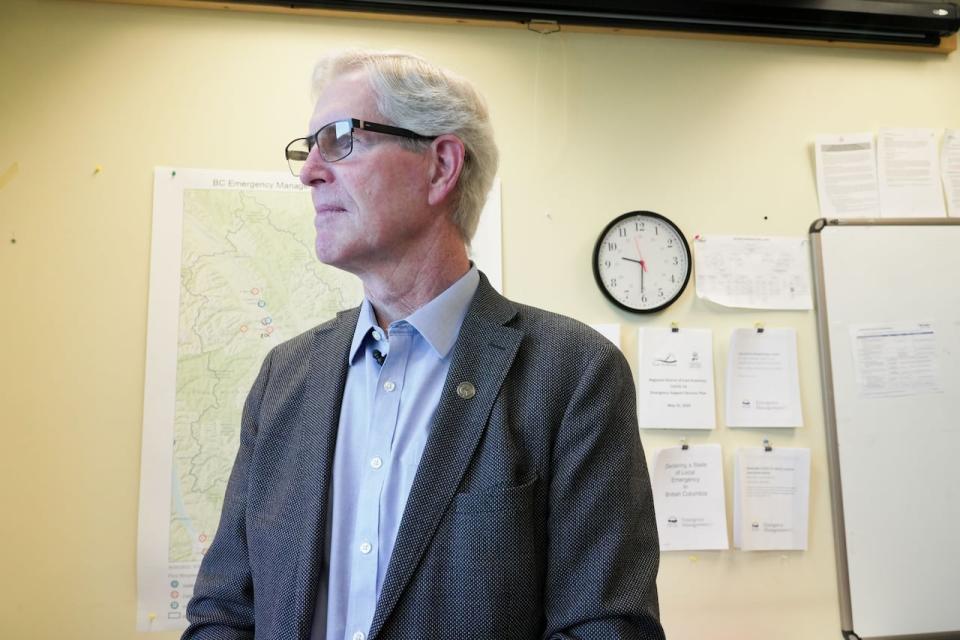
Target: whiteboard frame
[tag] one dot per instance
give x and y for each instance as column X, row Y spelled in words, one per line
column 830, row 414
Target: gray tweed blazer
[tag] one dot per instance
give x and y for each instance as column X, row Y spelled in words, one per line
column 530, row 516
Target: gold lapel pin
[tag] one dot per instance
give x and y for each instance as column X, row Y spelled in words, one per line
column 466, row 390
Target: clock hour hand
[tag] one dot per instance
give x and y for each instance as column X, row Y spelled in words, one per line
column 642, row 263
column 643, row 268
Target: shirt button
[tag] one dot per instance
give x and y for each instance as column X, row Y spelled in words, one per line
column 376, row 462
column 376, row 336
column 358, row 635
column 389, row 385
column 365, row 548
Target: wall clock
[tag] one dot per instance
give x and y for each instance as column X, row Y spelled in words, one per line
column 642, row 261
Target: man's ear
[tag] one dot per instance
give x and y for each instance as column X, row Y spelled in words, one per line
column 446, row 162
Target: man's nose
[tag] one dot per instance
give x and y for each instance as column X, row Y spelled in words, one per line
column 315, row 169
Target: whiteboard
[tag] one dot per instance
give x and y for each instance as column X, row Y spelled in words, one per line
column 888, row 311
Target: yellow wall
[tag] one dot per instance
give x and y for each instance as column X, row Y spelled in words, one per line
column 715, row 135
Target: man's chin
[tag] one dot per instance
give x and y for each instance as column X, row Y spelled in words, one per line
column 331, row 255
column 326, row 256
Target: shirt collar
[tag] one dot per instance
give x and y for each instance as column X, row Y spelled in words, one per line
column 438, row 321
column 366, row 322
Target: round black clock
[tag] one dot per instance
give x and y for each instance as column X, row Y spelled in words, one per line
column 642, row 261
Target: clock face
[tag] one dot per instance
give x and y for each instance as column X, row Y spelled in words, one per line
column 642, row 261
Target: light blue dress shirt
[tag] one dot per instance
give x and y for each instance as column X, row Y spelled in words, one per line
column 384, row 424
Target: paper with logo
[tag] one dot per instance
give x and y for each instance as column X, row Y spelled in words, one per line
column 688, row 498
column 763, row 381
column 675, row 382
column 754, row 272
column 771, row 499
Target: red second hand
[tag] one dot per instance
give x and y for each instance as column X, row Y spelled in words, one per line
column 643, row 263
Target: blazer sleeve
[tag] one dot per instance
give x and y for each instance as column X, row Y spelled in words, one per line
column 222, row 604
column 603, row 551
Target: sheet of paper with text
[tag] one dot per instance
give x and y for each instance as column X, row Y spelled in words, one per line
column 675, row 383
column 771, row 499
column 763, row 379
column 847, row 176
column 754, row 272
column 689, row 499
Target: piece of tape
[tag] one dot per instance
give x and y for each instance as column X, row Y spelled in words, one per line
column 9, row 174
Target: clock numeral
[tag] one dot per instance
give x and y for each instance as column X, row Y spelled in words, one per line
column 611, row 246
column 613, row 283
column 669, row 242
column 638, row 226
column 676, row 260
column 660, row 292
column 643, row 299
column 673, row 279
column 622, row 232
column 607, row 263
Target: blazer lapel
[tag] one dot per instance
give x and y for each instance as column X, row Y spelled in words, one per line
column 318, row 422
column 482, row 356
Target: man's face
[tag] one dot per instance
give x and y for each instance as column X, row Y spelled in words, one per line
column 371, row 207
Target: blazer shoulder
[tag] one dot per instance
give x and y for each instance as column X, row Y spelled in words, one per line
column 556, row 330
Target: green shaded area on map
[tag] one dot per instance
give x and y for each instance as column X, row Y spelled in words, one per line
column 249, row 279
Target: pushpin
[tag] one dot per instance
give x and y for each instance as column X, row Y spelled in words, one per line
column 173, row 174
column 696, row 237
column 693, row 558
column 758, row 326
column 97, row 169
column 674, row 327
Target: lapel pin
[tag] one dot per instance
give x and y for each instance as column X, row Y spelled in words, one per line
column 466, row 390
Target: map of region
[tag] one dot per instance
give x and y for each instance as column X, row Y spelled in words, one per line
column 233, row 273
column 249, row 279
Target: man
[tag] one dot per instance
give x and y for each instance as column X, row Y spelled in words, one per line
column 439, row 462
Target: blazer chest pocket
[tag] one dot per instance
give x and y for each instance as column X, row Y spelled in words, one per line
column 510, row 499
column 498, row 539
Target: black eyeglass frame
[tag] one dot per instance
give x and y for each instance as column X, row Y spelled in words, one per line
column 313, row 140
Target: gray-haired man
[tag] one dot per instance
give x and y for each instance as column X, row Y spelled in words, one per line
column 439, row 462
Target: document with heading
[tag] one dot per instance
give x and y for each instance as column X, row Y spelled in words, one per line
column 675, row 388
column 754, row 272
column 896, row 359
column 771, row 499
column 847, row 176
column 908, row 168
column 688, row 498
column 950, row 170
column 763, row 379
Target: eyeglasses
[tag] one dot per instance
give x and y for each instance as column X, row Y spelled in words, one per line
column 335, row 141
